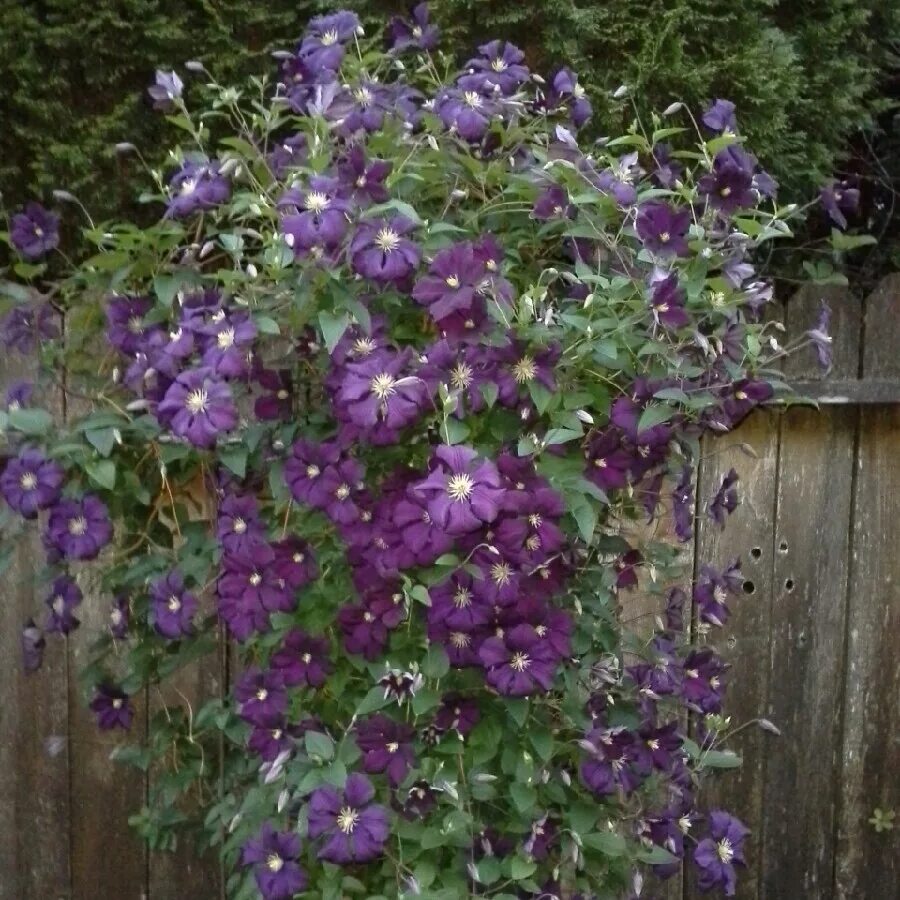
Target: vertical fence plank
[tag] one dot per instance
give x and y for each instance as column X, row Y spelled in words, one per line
column 34, row 758
column 744, row 642
column 868, row 863
column 184, row 872
column 808, row 616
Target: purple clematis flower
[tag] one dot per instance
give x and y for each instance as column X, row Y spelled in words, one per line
column 667, row 303
column 272, row 738
column 663, row 228
column 30, row 482
column 725, row 500
column 519, row 663
column 379, row 396
column 413, row 34
column 273, row 855
column 112, row 707
column 616, row 759
column 364, row 178
column 79, row 529
column 33, row 644
column 521, row 365
column 457, row 713
column 294, row 562
column 461, row 494
column 683, row 504
column 365, row 626
column 566, row 90
column 381, row 251
column 839, row 199
column 290, row 152
column 716, row 855
column 455, row 278
column 197, row 186
column 499, row 68
column 821, row 339
column 126, row 329
column 702, row 686
column 25, row 326
column 166, row 90
column 386, row 746
column 316, row 219
column 172, row 608
column 239, row 528
column 719, row 116
column 302, row 659
column 198, row 407
column 609, row 460
column 307, row 471
column 228, row 342
column 457, row 604
column 277, row 403
column 729, row 187
column 322, row 47
column 261, row 695
column 467, row 112
column 65, row 597
column 552, row 203
column 251, row 581
column 34, row 231
column 18, row 395
column 353, row 828
column 418, row 532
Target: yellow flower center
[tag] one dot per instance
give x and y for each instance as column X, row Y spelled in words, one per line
column 330, row 38
column 472, row 99
column 387, row 240
column 312, row 471
column 501, row 574
column 499, row 65
column 135, row 325
column 274, row 863
column 240, row 526
column 28, row 481
column 78, row 526
column 174, row 604
column 255, row 579
column 392, row 747
column 382, row 386
column 452, row 281
column 524, row 370
column 462, row 598
column 665, row 237
column 460, row 640
column 461, row 376
column 316, row 201
column 342, row 492
column 725, row 850
column 364, row 346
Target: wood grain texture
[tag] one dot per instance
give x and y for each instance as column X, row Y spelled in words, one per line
column 744, row 642
column 867, row 863
column 34, row 757
column 809, row 590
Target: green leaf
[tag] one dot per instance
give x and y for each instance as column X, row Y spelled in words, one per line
column 585, row 515
column 333, row 327
column 654, row 415
column 720, row 759
column 31, row 421
column 267, row 325
column 524, row 796
column 521, row 868
column 454, row 431
column 373, row 701
column 607, row 842
column 436, row 663
column 102, row 440
column 235, row 459
column 318, row 745
column 103, row 472
column 843, row 242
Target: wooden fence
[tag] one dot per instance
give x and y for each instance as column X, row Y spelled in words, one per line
column 814, row 643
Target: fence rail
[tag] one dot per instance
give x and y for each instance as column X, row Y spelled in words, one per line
column 813, row 644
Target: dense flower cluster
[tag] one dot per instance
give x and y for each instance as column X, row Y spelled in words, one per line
column 389, row 375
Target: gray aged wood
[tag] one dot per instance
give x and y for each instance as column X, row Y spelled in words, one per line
column 749, row 534
column 34, row 756
column 815, row 472
column 868, row 863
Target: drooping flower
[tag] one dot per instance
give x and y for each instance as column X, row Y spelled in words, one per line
column 381, row 251
column 353, row 829
column 615, row 760
column 119, row 616
column 821, row 339
column 365, row 626
column 26, row 325
column 364, row 178
column 552, row 203
column 716, row 855
column 278, row 401
column 274, row 857
column 30, row 482
column 461, row 493
column 112, row 707
column 33, row 644
column 839, row 199
column 64, row 598
column 608, row 460
column 172, row 608
column 198, row 407
column 683, row 504
column 34, row 231
column 166, row 90
column 519, row 663
column 18, row 395
column 719, row 116
column 458, row 713
column 729, row 187
column 663, row 228
column 725, row 500
column 566, row 90
column 386, row 746
column 416, row 33
column 702, row 686
column 667, row 303
column 79, row 529
column 302, row 659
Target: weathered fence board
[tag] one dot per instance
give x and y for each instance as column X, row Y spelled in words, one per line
column 868, row 863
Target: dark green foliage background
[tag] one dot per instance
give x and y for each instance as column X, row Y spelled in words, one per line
column 804, row 73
